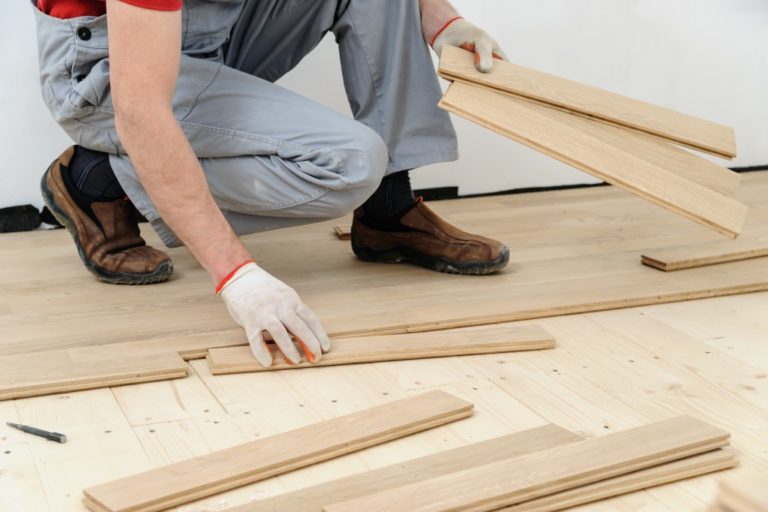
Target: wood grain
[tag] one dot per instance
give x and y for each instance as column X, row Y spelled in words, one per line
column 571, row 251
column 689, row 467
column 591, row 101
column 743, row 493
column 179, row 483
column 312, row 499
column 519, row 479
column 581, row 143
column 370, row 349
column 61, row 371
column 701, row 255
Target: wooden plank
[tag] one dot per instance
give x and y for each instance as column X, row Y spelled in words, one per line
column 689, row 467
column 183, row 482
column 515, row 480
column 342, row 233
column 61, row 371
column 370, row 349
column 701, row 255
column 591, row 101
column 572, row 251
column 312, row 499
column 581, row 143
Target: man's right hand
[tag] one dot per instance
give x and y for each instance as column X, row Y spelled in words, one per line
column 260, row 302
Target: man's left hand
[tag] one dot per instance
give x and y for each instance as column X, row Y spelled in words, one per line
column 464, row 34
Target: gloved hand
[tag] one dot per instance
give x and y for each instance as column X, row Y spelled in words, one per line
column 461, row 33
column 260, row 302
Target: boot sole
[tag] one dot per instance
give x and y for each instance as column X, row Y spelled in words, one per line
column 160, row 274
column 408, row 255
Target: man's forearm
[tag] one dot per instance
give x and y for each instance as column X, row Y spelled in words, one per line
column 434, row 15
column 174, row 180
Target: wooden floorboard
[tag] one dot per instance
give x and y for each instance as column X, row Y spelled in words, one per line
column 372, row 349
column 180, row 483
column 561, row 468
column 593, row 102
column 591, row 241
column 700, row 255
column 314, row 498
column 596, row 149
column 612, row 370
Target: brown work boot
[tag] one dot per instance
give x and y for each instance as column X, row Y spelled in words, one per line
column 109, row 243
column 425, row 239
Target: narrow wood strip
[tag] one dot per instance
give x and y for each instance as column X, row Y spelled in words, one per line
column 580, row 142
column 591, row 101
column 660, row 153
column 689, row 467
column 186, row 481
column 371, row 349
column 62, row 371
column 701, row 255
column 519, row 479
column 312, row 499
column 341, row 233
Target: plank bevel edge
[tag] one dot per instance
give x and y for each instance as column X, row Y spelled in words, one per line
column 578, row 142
column 576, row 97
column 312, row 499
column 689, row 467
column 182, row 482
column 47, row 373
column 512, row 481
column 701, row 255
column 371, row 349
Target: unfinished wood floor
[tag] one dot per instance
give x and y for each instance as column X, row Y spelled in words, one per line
column 611, row 370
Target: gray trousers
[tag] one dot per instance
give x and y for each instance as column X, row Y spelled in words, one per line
column 272, row 158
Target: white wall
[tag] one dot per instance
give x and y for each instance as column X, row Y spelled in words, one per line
column 708, row 58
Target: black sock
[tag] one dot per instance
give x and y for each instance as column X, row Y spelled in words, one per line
column 391, row 200
column 89, row 179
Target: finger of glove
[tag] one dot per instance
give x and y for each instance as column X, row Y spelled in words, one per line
column 304, row 336
column 260, row 349
column 498, row 53
column 311, row 320
column 284, row 342
column 484, row 54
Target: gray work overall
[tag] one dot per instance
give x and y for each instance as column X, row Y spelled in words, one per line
column 272, row 158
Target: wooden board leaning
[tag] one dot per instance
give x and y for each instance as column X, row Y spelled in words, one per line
column 581, row 143
column 696, row 133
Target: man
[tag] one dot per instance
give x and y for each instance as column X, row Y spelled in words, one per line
column 183, row 122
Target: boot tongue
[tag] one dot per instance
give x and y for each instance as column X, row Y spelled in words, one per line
column 419, row 217
column 118, row 222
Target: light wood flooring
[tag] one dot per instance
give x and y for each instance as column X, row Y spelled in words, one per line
column 611, row 370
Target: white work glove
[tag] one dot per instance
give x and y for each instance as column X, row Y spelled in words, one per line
column 260, row 302
column 459, row 32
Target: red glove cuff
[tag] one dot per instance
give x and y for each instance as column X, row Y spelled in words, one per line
column 432, row 43
column 226, row 279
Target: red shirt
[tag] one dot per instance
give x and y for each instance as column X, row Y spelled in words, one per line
column 75, row 8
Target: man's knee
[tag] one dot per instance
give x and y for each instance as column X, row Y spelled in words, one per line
column 365, row 163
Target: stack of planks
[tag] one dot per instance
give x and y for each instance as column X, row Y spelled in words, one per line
column 744, row 494
column 543, row 469
column 625, row 142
